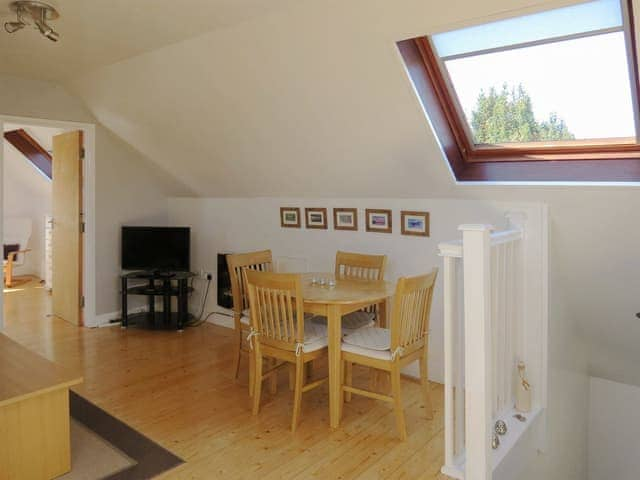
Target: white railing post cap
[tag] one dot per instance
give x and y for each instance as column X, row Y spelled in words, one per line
column 476, row 227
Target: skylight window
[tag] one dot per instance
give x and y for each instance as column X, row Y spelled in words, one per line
column 560, row 84
column 559, row 77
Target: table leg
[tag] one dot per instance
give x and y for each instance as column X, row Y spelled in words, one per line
column 125, row 320
column 152, row 299
column 166, row 307
column 382, row 314
column 334, row 336
column 182, row 293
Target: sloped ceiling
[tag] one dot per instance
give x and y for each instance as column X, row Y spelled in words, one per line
column 99, row 32
column 312, row 100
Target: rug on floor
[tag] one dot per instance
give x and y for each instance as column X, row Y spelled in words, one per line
column 103, row 447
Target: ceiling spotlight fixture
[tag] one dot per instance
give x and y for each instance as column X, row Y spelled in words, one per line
column 33, row 13
column 12, row 27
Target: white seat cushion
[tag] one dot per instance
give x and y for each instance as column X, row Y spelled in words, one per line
column 370, row 338
column 369, row 342
column 314, row 331
column 367, row 352
column 359, row 319
column 317, row 344
column 351, row 321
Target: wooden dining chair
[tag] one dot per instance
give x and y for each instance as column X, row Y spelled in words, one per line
column 361, row 267
column 358, row 266
column 279, row 332
column 390, row 350
column 237, row 263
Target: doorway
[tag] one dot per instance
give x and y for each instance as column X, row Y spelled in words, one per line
column 47, row 213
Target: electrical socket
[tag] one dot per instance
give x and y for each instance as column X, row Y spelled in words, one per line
column 205, row 275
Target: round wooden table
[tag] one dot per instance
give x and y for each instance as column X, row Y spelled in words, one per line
column 333, row 302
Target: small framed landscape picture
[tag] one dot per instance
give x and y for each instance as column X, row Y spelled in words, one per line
column 289, row 217
column 415, row 223
column 316, row 218
column 378, row 220
column 345, row 219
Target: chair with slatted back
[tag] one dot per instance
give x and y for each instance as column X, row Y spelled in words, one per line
column 280, row 332
column 261, row 261
column 391, row 349
column 363, row 267
column 358, row 266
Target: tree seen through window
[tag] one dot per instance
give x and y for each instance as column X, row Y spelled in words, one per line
column 506, row 116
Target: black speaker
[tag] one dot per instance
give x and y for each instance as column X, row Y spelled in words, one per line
column 225, row 299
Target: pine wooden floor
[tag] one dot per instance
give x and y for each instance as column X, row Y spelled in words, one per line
column 177, row 389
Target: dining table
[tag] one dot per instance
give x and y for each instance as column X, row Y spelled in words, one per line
column 333, row 297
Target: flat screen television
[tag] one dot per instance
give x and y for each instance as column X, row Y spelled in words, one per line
column 156, row 248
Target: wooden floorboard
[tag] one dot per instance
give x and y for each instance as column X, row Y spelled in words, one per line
column 177, row 389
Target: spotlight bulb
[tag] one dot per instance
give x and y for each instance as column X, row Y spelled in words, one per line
column 11, row 27
column 47, row 31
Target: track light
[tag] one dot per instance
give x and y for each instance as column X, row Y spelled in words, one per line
column 47, row 31
column 33, row 13
column 11, row 27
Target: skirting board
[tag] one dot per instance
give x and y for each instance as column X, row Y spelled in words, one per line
column 221, row 319
column 105, row 319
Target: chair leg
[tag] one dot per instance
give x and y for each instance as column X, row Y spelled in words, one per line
column 374, row 378
column 273, row 381
column 297, row 393
column 292, row 377
column 8, row 275
column 426, row 388
column 257, row 384
column 397, row 401
column 252, row 372
column 236, row 353
column 348, row 379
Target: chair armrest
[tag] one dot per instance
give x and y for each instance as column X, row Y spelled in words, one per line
column 12, row 255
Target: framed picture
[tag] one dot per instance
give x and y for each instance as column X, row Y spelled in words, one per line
column 316, row 218
column 345, row 219
column 378, row 220
column 415, row 223
column 289, row 217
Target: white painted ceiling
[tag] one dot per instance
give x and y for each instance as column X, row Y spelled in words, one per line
column 95, row 33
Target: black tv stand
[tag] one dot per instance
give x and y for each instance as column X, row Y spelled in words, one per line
column 160, row 274
column 159, row 284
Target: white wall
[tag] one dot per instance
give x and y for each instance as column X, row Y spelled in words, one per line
column 26, row 194
column 129, row 189
column 238, row 225
column 313, row 101
column 614, row 427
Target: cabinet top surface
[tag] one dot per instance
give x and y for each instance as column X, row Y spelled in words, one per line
column 24, row 374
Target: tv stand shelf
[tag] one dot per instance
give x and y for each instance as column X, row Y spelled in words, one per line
column 159, row 284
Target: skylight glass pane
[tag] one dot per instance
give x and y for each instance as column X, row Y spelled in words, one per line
column 561, row 22
column 574, row 89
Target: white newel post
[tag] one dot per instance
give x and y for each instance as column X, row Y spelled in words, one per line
column 449, row 301
column 476, row 251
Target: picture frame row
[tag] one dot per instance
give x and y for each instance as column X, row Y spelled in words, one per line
column 377, row 220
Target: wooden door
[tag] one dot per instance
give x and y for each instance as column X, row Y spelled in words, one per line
column 67, row 227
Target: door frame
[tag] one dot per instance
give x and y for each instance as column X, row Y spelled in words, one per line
column 88, row 206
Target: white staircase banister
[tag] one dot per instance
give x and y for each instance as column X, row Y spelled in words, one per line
column 476, row 251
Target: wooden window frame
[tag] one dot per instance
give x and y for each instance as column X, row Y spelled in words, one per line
column 584, row 161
